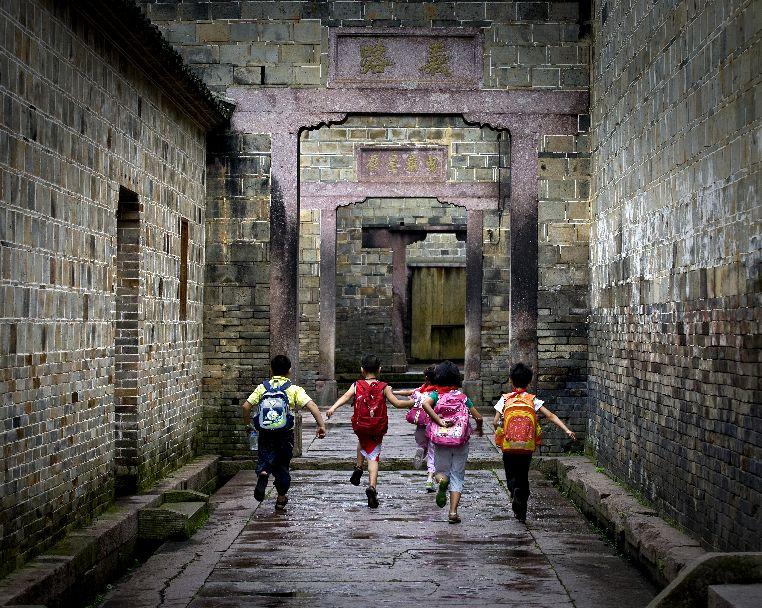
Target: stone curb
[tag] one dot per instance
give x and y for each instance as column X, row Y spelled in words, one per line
column 637, row 529
column 86, row 559
column 692, row 586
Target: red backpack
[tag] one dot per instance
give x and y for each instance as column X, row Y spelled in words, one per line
column 370, row 416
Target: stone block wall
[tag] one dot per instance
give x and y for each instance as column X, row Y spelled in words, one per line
column 243, row 43
column 236, row 290
column 675, row 258
column 78, row 122
column 563, row 302
column 330, row 154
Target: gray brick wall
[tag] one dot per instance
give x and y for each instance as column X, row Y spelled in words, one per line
column 78, row 122
column 675, row 255
column 236, row 290
column 527, row 44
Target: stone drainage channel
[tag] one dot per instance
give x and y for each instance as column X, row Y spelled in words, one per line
column 329, row 549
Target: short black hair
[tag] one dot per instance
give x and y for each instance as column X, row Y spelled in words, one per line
column 280, row 365
column 447, row 374
column 371, row 364
column 520, row 375
column 428, row 373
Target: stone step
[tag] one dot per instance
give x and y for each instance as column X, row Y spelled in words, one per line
column 735, row 596
column 386, row 464
column 172, row 520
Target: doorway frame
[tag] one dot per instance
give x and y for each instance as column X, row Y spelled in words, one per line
column 526, row 115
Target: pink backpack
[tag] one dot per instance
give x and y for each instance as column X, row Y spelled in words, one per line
column 416, row 414
column 451, row 406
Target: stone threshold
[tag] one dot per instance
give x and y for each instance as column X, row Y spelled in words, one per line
column 86, row 559
column 638, row 531
column 229, row 467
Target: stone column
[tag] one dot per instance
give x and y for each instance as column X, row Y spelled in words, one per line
column 523, row 205
column 399, row 299
column 284, row 247
column 284, row 256
column 326, row 384
column 474, row 262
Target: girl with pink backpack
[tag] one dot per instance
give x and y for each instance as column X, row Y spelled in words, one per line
column 450, row 430
column 420, row 419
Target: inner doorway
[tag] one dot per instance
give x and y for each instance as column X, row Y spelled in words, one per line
column 438, row 303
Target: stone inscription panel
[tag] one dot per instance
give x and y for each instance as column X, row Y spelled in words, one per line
column 429, row 59
column 402, row 164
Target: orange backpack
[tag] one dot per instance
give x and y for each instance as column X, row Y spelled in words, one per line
column 520, row 432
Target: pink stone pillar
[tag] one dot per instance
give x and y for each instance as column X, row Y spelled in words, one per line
column 474, row 263
column 326, row 384
column 284, row 247
column 524, row 257
column 399, row 300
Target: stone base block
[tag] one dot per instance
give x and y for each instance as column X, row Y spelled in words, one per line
column 172, row 521
column 734, row 596
column 327, row 391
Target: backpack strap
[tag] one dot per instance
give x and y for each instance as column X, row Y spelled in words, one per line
column 267, row 385
column 285, row 386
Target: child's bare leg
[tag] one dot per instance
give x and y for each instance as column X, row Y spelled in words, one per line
column 454, row 500
column 373, row 470
column 360, row 459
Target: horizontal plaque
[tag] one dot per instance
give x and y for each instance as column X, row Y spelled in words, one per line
column 412, row 58
column 401, row 164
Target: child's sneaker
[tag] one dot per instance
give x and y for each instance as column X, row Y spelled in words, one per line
column 519, row 510
column 280, row 503
column 259, row 489
column 356, row 477
column 372, row 497
column 441, row 498
column 429, row 485
column 418, row 459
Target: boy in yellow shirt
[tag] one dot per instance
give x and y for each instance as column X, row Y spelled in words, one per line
column 275, row 401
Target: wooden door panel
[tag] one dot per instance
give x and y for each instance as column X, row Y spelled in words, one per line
column 439, row 310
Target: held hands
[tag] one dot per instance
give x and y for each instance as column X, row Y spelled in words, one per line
column 329, row 412
column 480, row 427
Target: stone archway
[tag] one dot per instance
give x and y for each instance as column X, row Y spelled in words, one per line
column 285, row 113
column 329, row 197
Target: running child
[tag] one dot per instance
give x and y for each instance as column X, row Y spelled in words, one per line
column 450, row 411
column 518, row 433
column 275, row 401
column 417, row 416
column 370, row 421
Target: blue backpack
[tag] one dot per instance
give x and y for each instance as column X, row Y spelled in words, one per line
column 274, row 410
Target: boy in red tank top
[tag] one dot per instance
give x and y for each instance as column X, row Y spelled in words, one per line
column 370, row 420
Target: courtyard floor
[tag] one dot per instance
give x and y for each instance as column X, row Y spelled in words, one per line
column 329, row 549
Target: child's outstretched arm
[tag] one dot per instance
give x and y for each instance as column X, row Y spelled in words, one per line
column 341, row 401
column 246, row 407
column 479, row 420
column 405, row 392
column 320, row 433
column 398, row 403
column 557, row 421
column 428, row 407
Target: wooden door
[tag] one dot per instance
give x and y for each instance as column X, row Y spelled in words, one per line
column 439, row 311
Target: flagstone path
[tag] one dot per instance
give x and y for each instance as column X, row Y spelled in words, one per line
column 329, row 550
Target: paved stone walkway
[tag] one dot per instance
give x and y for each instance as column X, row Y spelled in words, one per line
column 330, row 550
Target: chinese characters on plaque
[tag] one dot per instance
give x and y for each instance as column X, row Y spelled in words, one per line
column 402, row 164
column 374, row 59
column 387, row 58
